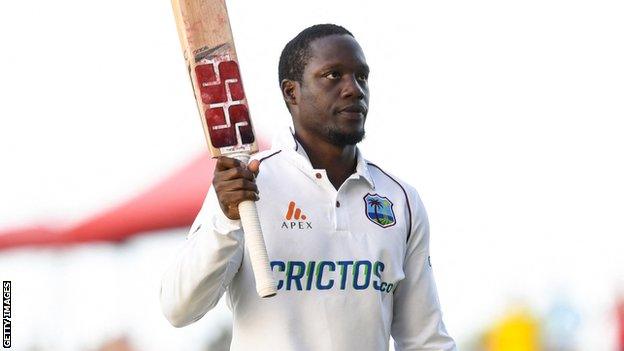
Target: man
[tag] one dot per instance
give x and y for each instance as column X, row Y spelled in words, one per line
column 348, row 243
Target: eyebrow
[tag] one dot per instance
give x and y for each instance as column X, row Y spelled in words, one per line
column 363, row 67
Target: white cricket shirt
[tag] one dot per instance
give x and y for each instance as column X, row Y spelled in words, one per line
column 352, row 264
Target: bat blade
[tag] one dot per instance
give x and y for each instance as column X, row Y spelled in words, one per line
column 210, row 55
column 208, row 47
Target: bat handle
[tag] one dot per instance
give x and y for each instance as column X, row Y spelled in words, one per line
column 265, row 283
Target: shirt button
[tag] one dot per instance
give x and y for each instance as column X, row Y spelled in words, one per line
column 318, row 176
column 337, row 203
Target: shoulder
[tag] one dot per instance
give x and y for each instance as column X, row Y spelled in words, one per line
column 387, row 181
column 384, row 178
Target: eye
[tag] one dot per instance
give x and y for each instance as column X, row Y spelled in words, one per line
column 333, row 75
column 363, row 77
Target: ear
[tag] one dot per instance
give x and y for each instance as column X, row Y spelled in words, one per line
column 290, row 91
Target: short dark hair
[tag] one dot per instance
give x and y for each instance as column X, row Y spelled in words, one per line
column 296, row 53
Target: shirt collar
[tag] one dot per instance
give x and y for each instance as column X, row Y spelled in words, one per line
column 285, row 140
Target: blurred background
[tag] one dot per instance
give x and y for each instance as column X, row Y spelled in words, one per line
column 506, row 116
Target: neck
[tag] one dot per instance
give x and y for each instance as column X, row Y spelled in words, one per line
column 338, row 161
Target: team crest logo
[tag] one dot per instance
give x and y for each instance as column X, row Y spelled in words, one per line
column 379, row 210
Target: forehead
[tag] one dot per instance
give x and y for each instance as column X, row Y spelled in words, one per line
column 335, row 50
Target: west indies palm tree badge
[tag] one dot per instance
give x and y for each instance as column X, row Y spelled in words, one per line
column 379, row 210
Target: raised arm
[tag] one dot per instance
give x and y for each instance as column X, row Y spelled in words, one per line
column 212, row 254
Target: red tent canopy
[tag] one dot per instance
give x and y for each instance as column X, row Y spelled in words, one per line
column 172, row 203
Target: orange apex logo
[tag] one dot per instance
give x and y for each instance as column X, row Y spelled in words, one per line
column 293, row 211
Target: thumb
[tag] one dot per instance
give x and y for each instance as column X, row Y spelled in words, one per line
column 254, row 166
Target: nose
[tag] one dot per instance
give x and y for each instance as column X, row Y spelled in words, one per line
column 352, row 87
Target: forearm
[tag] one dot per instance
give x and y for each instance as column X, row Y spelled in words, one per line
column 202, row 269
column 417, row 316
column 417, row 323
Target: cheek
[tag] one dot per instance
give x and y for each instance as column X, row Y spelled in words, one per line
column 313, row 103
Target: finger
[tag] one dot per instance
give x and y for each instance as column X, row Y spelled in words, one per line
column 245, row 195
column 254, row 167
column 237, row 184
column 233, row 198
column 234, row 173
column 224, row 163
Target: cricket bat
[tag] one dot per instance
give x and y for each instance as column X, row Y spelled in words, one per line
column 208, row 46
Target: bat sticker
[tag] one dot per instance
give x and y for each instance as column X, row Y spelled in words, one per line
column 226, row 114
column 207, row 53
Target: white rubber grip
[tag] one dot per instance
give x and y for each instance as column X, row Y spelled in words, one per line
column 254, row 240
column 265, row 283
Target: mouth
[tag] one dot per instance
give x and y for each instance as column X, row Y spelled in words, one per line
column 356, row 111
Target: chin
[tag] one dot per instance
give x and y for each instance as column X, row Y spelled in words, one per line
column 341, row 138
